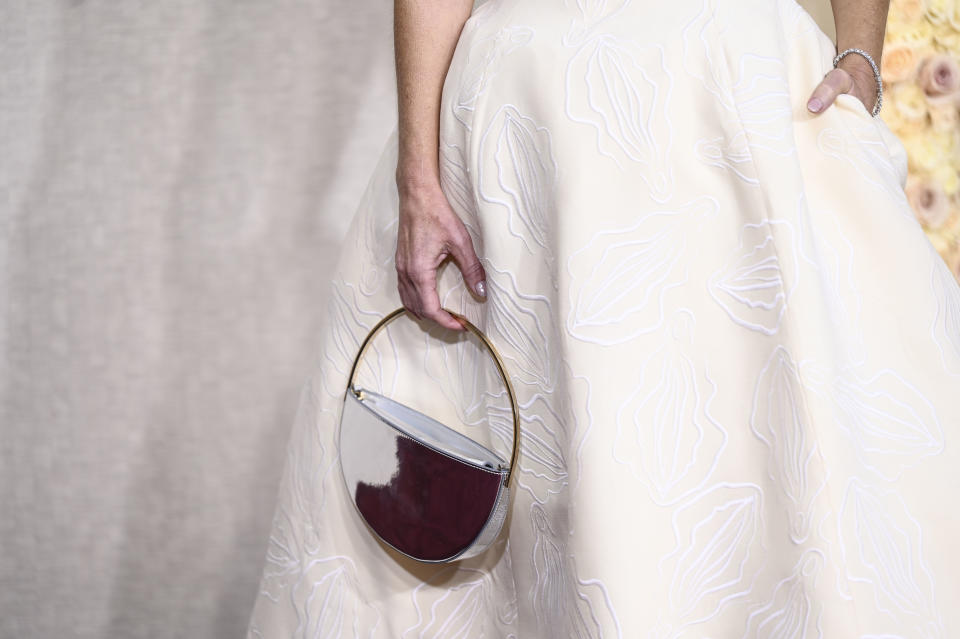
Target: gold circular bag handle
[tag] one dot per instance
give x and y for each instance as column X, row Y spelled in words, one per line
column 486, row 342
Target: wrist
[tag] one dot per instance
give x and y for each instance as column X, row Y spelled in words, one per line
column 862, row 74
column 857, row 66
column 418, row 163
column 416, row 177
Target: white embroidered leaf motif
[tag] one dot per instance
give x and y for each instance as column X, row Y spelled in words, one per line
column 881, row 545
column 455, row 182
column 718, row 547
column 553, row 425
column 329, row 593
column 348, row 325
column 592, row 14
column 779, row 418
column 793, row 611
column 461, row 602
column 282, row 562
column 483, row 64
column 892, row 424
column 824, row 246
column 732, row 155
column 627, row 100
column 460, row 366
column 665, row 433
column 756, row 97
column 543, row 465
column 946, row 322
column 520, row 324
column 525, row 176
column 564, row 605
column 619, row 279
column 860, row 147
column 759, row 277
column 455, row 613
column 378, row 217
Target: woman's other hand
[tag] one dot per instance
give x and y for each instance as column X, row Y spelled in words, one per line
column 855, row 77
column 430, row 232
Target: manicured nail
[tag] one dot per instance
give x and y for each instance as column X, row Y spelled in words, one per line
column 481, row 289
column 814, row 104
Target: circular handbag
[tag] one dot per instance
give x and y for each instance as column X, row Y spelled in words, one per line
column 424, row 489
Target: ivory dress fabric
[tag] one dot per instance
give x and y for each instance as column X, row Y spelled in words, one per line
column 736, row 354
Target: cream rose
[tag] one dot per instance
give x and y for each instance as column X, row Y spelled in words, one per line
column 899, row 62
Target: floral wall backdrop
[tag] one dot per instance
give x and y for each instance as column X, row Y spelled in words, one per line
column 920, row 68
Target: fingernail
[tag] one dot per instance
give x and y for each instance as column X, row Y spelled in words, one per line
column 814, row 104
column 482, row 289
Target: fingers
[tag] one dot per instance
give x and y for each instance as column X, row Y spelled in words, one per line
column 430, row 231
column 463, row 253
column 835, row 82
column 417, row 284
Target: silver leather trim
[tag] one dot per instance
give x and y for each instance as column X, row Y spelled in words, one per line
column 429, row 431
column 491, row 530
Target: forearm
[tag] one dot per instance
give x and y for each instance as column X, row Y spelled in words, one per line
column 425, row 35
column 860, row 24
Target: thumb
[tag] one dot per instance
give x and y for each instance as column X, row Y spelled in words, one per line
column 834, row 82
column 469, row 264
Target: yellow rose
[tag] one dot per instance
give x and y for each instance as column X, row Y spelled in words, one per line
column 939, row 11
column 950, row 231
column 894, row 29
column 940, row 243
column 954, row 19
column 912, row 128
column 944, row 143
column 907, row 10
column 898, row 62
column 944, row 113
column 936, row 149
column 924, row 152
column 909, row 101
column 890, row 116
column 919, row 34
column 946, row 176
column 948, row 39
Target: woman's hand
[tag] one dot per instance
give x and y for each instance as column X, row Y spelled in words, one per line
column 426, row 33
column 430, row 232
column 849, row 78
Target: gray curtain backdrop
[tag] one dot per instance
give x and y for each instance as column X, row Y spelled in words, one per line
column 175, row 177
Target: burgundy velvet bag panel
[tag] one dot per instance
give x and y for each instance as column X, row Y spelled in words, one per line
column 433, row 506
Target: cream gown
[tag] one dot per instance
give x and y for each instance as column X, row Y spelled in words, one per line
column 736, row 354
